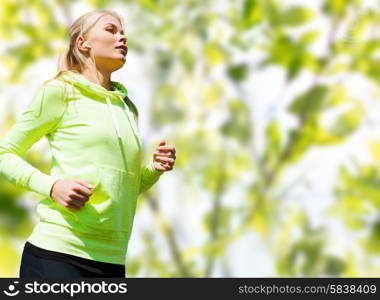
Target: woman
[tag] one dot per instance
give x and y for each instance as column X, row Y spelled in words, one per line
column 87, row 214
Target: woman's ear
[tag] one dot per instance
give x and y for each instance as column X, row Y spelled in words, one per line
column 81, row 44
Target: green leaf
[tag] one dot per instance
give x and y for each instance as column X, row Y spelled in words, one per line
column 375, row 150
column 187, row 58
column 334, row 266
column 347, row 122
column 324, row 137
column 214, row 53
column 295, row 16
column 238, row 125
column 251, row 13
column 238, row 72
column 273, row 142
column 358, row 194
column 309, row 37
column 373, row 241
column 335, row 7
column 337, row 95
column 303, row 139
column 224, row 219
column 294, row 67
column 299, row 57
column 311, row 101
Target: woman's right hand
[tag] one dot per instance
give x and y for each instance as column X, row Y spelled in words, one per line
column 71, row 193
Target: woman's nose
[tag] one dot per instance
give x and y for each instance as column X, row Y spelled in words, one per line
column 123, row 38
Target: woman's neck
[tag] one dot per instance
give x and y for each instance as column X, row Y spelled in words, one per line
column 104, row 77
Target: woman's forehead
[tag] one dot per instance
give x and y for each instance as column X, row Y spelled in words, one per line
column 109, row 19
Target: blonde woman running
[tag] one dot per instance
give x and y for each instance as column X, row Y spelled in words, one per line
column 86, row 216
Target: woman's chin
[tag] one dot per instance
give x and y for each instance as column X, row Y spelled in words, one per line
column 122, row 57
column 118, row 58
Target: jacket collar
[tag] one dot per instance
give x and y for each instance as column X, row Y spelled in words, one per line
column 78, row 80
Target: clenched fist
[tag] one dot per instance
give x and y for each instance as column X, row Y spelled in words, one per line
column 71, row 193
column 164, row 157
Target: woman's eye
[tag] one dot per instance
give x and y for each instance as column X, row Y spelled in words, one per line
column 110, row 29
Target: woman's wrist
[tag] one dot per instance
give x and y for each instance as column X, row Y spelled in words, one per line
column 51, row 190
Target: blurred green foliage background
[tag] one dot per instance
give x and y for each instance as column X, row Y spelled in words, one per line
column 273, row 108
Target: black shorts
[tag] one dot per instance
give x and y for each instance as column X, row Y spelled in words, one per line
column 41, row 263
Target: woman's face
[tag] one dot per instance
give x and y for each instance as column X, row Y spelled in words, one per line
column 106, row 37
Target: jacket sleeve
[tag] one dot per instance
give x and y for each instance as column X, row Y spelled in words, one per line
column 41, row 117
column 149, row 176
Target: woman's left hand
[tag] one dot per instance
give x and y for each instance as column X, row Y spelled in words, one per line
column 164, row 157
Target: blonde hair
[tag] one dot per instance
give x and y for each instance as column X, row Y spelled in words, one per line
column 72, row 59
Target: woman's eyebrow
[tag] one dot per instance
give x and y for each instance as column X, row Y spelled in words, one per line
column 113, row 26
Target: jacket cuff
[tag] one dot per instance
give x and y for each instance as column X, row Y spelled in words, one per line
column 154, row 171
column 42, row 183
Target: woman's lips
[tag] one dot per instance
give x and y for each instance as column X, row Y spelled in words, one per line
column 123, row 48
column 124, row 51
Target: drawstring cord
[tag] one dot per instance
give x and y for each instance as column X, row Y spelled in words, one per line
column 117, row 128
column 135, row 130
column 116, row 124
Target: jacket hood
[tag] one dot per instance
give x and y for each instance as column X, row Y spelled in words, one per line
column 78, row 80
column 118, row 94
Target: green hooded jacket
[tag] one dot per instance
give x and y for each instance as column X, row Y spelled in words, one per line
column 93, row 135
